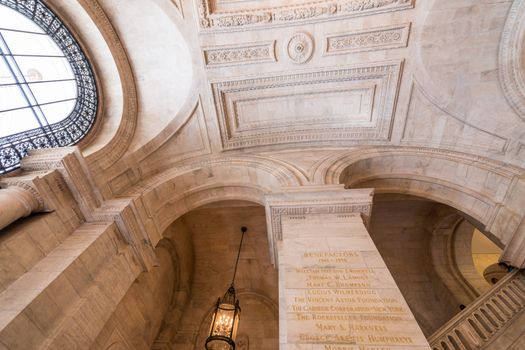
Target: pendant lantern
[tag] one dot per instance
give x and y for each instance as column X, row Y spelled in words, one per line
column 226, row 317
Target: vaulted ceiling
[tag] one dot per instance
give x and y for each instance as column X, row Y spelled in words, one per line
column 419, row 97
column 220, row 75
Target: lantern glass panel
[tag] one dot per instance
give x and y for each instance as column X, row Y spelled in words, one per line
column 224, row 327
column 224, row 321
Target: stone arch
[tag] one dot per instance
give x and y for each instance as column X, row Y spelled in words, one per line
column 489, row 192
column 211, row 268
column 167, row 196
column 178, row 242
column 180, row 205
column 451, row 247
column 126, row 92
column 118, row 108
column 511, row 62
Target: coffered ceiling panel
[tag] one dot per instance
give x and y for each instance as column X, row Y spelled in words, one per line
column 343, row 105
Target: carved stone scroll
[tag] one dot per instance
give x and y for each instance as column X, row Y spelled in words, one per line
column 15, row 203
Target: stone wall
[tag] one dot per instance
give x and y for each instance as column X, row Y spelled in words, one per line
column 215, row 232
column 399, row 230
column 136, row 322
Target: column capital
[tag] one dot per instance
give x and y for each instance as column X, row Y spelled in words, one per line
column 305, row 200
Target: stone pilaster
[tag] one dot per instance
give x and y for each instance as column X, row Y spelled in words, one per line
column 93, row 249
column 335, row 291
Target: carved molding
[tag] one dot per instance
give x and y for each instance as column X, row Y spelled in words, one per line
column 30, row 188
column 124, row 213
column 286, row 13
column 249, row 53
column 379, row 38
column 115, row 149
column 300, row 48
column 331, row 169
column 313, row 200
column 511, row 61
column 311, row 111
column 178, row 5
column 69, row 162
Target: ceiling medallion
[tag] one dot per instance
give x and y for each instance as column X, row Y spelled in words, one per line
column 300, row 48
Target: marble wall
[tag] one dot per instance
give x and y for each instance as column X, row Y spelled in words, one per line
column 400, row 231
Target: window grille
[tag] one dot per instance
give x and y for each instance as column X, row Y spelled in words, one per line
column 52, row 105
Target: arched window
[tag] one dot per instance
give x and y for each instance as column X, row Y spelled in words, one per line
column 48, row 95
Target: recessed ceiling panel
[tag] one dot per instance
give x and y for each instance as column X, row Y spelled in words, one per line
column 341, row 105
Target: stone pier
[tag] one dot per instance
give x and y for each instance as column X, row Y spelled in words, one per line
column 335, row 290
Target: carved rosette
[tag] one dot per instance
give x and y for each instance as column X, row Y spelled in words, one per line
column 300, row 48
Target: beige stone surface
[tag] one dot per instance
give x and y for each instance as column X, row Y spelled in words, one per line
column 401, row 231
column 215, row 234
column 206, row 101
column 333, row 300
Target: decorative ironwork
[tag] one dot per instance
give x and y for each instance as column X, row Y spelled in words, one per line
column 74, row 127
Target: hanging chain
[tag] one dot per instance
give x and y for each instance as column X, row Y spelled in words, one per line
column 243, row 230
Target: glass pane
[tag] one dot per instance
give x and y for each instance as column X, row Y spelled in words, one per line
column 17, row 121
column 11, row 97
column 30, row 44
column 44, row 68
column 224, row 321
column 50, row 92
column 13, row 20
column 58, row 111
column 5, row 74
column 37, row 83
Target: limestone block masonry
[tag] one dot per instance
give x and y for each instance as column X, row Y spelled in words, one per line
column 68, row 269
